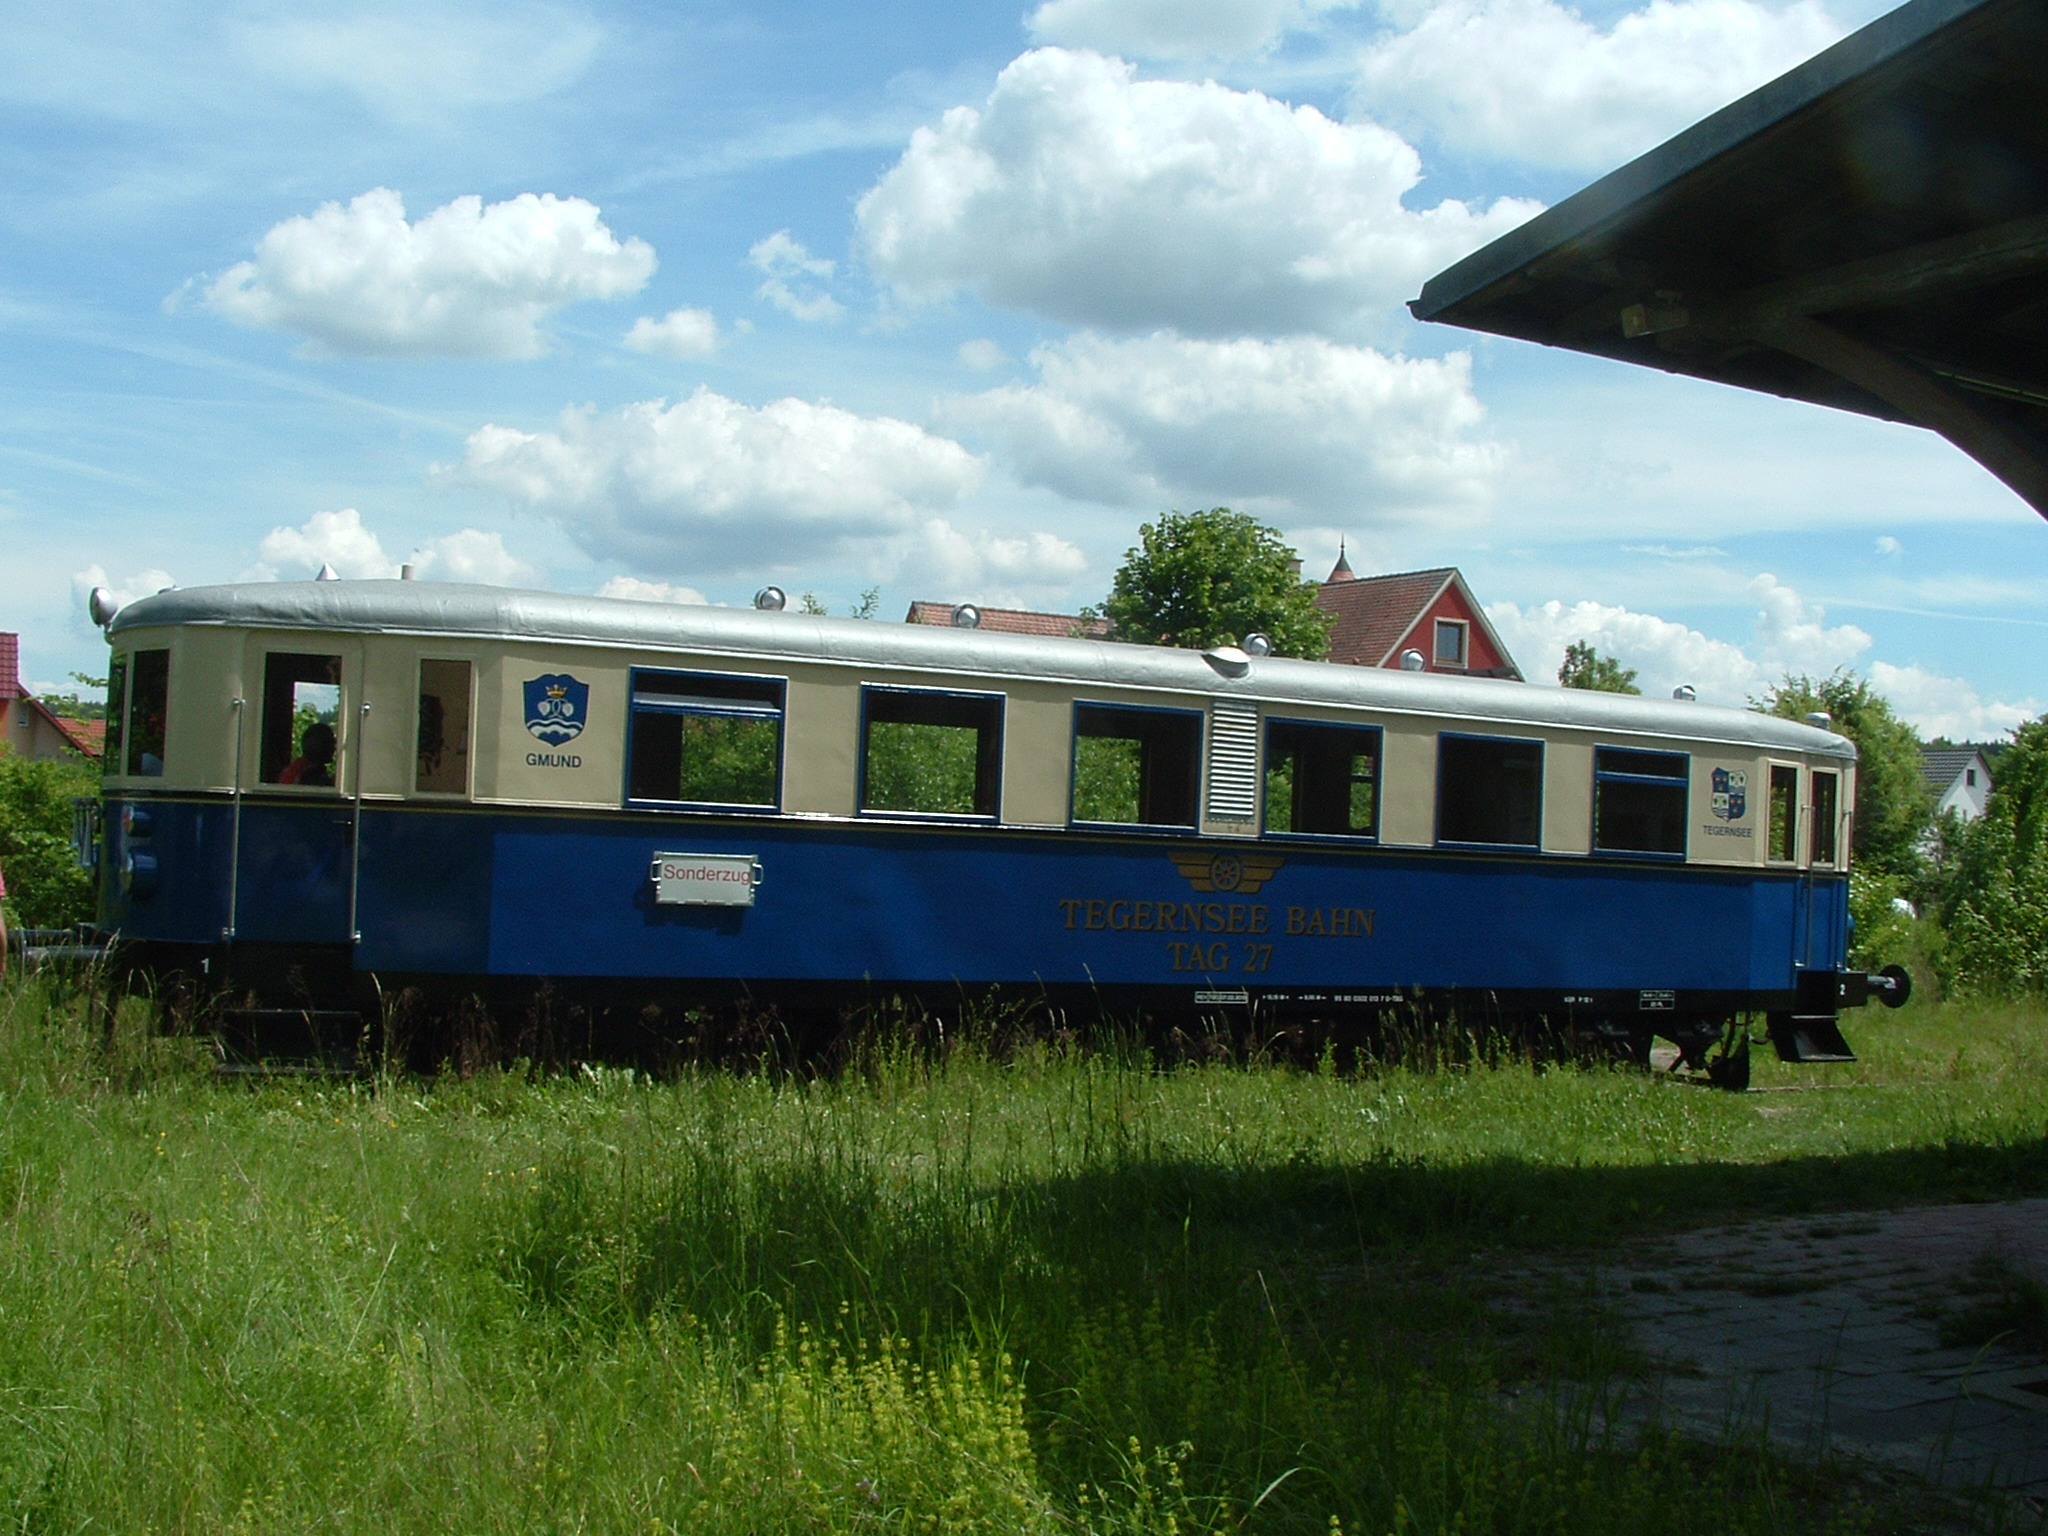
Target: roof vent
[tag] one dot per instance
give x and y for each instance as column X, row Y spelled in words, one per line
column 327, row 573
column 966, row 616
column 1685, row 693
column 102, row 606
column 771, row 599
column 1257, row 643
column 1821, row 720
column 1411, row 660
column 1228, row 660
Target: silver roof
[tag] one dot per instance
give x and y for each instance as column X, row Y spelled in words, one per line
column 444, row 608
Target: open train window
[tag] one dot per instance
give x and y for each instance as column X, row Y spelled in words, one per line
column 149, row 695
column 701, row 738
column 1783, row 847
column 1639, row 801
column 1827, row 788
column 301, row 718
column 1489, row 791
column 1136, row 767
column 1322, row 779
column 928, row 753
column 441, row 748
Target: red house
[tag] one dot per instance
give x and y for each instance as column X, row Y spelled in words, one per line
column 1376, row 620
column 28, row 726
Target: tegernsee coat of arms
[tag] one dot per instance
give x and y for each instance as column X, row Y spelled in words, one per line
column 556, row 707
column 1731, row 793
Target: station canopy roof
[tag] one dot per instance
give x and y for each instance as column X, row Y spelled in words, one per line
column 1869, row 232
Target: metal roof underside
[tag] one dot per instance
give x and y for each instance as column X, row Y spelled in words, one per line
column 1868, row 231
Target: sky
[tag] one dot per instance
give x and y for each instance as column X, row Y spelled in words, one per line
column 668, row 301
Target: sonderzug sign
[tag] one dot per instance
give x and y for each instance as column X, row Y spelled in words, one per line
column 705, row 879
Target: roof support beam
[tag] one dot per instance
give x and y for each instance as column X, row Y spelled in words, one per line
column 1921, row 397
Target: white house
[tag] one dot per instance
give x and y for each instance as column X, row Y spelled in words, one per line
column 1960, row 778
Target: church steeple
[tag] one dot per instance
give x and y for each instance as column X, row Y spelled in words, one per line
column 1342, row 571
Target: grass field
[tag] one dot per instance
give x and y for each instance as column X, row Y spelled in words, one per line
column 1065, row 1292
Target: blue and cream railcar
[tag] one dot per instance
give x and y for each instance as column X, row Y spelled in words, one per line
column 523, row 786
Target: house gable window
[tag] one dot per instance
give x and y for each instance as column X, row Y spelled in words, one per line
column 1453, row 642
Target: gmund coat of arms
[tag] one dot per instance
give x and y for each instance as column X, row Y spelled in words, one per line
column 556, row 707
column 1731, row 793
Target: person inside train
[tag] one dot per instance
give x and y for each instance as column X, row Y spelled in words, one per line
column 314, row 765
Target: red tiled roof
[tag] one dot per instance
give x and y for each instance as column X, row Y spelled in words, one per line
column 1369, row 614
column 10, row 666
column 89, row 736
column 1014, row 621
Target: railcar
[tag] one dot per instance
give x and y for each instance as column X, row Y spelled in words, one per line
column 319, row 793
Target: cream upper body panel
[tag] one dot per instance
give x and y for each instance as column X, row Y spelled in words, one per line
column 517, row 642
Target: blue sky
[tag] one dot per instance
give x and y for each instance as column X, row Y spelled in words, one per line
column 672, row 300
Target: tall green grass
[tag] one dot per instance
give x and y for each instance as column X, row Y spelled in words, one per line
column 1061, row 1292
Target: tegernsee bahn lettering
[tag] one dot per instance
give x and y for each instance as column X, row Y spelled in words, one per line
column 1251, row 919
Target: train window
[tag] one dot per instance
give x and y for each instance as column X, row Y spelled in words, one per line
column 703, row 739
column 301, row 718
column 441, row 749
column 1783, row 847
column 929, row 753
column 149, row 692
column 1826, row 797
column 1639, row 801
column 117, row 710
column 1136, row 767
column 1489, row 791
column 1322, row 779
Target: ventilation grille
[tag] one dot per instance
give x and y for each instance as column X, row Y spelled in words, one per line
column 1233, row 760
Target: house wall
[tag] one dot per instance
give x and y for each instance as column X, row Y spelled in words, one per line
column 1481, row 655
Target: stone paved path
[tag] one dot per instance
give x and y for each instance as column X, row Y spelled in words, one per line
column 1827, row 1332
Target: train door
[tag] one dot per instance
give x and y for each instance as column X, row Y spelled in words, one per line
column 299, row 795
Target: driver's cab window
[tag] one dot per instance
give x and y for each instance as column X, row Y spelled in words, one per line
column 301, row 719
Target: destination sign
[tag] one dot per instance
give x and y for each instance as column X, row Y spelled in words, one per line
column 705, row 879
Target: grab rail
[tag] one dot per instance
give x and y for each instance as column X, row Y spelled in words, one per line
column 227, row 934
column 355, row 832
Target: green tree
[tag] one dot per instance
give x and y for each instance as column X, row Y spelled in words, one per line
column 1585, row 667
column 45, row 886
column 1893, row 803
column 1210, row 578
column 1998, row 898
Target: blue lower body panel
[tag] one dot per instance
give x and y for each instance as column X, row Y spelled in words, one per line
column 473, row 893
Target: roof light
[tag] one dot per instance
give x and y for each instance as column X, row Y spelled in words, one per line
column 966, row 616
column 1258, row 643
column 102, row 605
column 1412, row 661
column 771, row 599
column 1821, row 720
column 1685, row 693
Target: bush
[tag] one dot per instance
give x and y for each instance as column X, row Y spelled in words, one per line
column 45, row 886
column 1998, row 901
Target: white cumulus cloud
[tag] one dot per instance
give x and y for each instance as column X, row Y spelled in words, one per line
column 1296, row 426
column 1948, row 706
column 1082, row 193
column 633, row 588
column 714, row 485
column 680, row 334
column 1535, row 82
column 125, row 589
column 1173, row 29
column 992, row 567
column 1788, row 634
column 793, row 276
column 342, row 540
column 464, row 281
